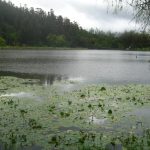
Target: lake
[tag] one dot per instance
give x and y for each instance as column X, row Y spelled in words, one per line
column 84, row 66
column 50, row 106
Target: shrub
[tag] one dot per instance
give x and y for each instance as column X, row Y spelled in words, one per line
column 2, row 41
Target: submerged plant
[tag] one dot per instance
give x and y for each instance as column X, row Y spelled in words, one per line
column 90, row 118
column 103, row 89
column 33, row 124
column 23, row 112
column 109, row 111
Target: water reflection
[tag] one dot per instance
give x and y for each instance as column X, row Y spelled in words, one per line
column 94, row 66
column 47, row 79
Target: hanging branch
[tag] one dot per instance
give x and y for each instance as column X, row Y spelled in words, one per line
column 141, row 10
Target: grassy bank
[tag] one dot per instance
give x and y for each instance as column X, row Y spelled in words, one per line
column 94, row 117
column 39, row 48
column 62, row 48
column 143, row 49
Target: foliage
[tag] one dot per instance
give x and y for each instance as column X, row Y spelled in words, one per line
column 135, row 40
column 2, row 41
column 56, row 40
column 93, row 117
column 22, row 26
column 141, row 10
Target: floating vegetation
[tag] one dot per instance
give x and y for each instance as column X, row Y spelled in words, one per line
column 33, row 124
column 103, row 89
column 110, row 111
column 93, row 117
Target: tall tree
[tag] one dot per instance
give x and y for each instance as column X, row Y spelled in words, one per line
column 25, row 26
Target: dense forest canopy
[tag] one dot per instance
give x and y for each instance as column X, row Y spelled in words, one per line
column 22, row 26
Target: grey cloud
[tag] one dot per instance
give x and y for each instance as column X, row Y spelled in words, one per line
column 94, row 13
column 100, row 13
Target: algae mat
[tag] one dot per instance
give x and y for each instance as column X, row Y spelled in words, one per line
column 93, row 117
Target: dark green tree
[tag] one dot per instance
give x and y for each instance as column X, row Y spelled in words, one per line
column 2, row 42
column 25, row 26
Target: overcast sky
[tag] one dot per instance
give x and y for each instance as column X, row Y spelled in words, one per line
column 88, row 13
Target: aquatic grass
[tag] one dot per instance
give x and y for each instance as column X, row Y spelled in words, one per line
column 62, row 120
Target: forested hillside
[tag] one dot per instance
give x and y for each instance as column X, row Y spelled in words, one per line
column 22, row 26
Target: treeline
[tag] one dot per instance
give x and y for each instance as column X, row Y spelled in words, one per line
column 22, row 26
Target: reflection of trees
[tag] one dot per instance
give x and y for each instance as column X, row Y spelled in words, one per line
column 51, row 78
column 46, row 79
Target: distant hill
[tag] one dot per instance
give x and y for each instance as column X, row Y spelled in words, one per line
column 22, row 26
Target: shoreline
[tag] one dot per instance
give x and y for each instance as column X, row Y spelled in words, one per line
column 67, row 48
column 41, row 48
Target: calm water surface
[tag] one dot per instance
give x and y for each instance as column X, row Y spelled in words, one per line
column 86, row 66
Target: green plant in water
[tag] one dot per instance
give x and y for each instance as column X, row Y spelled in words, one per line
column 52, row 108
column 23, row 112
column 33, row 124
column 69, row 102
column 109, row 111
column 64, row 114
column 71, row 112
column 82, row 95
column 103, row 89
